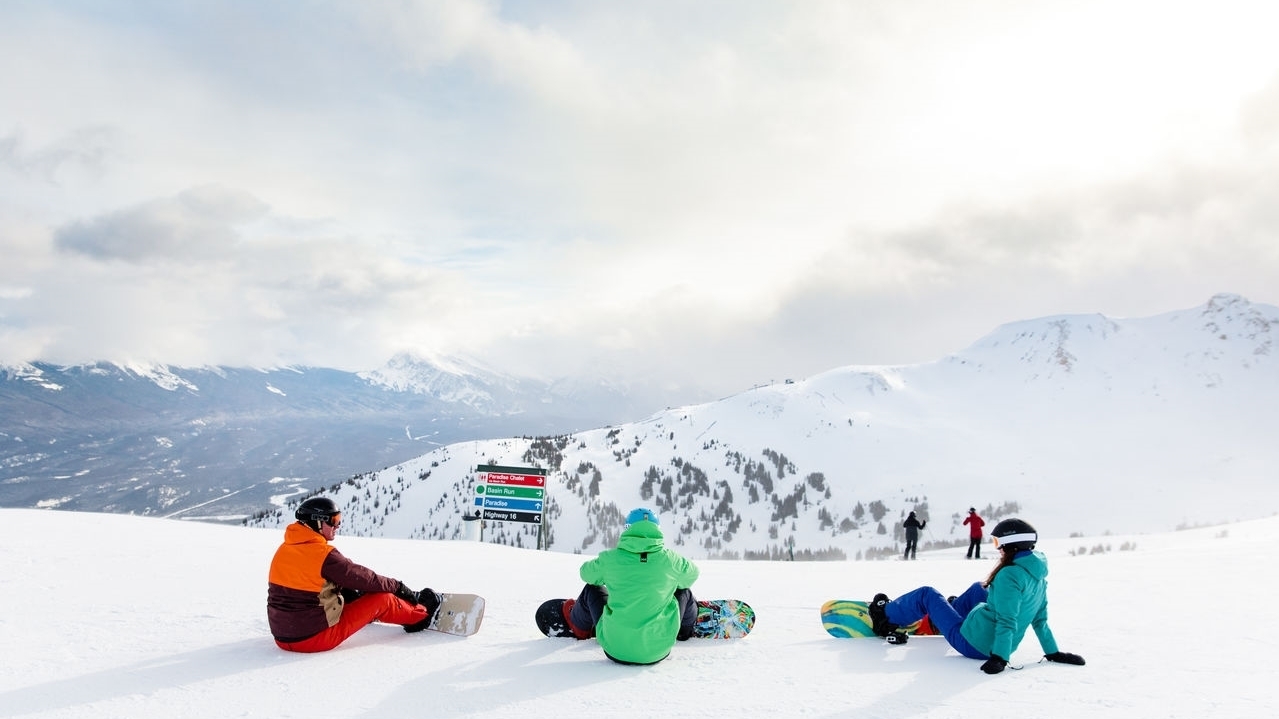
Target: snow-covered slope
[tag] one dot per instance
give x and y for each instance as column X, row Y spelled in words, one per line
column 142, row 618
column 1092, row 424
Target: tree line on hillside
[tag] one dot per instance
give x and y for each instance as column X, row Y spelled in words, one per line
column 709, row 510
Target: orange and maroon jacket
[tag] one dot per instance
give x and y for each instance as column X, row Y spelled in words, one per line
column 303, row 567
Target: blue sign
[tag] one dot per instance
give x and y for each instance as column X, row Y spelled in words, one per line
column 525, row 505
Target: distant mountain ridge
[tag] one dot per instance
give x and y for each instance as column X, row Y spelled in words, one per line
column 153, row 439
column 454, row 381
column 1196, row 335
column 1082, row 423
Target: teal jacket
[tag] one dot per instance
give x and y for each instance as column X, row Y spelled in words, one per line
column 1018, row 599
column 641, row 618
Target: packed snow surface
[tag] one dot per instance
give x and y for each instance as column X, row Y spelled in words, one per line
column 120, row 616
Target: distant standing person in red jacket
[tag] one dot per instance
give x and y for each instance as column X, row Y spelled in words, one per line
column 975, row 524
column 316, row 598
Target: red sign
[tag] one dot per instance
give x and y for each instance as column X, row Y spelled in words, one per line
column 525, row 480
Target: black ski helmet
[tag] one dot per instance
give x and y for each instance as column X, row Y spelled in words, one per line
column 316, row 510
column 1015, row 535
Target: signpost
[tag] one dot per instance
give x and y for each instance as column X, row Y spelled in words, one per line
column 511, row 494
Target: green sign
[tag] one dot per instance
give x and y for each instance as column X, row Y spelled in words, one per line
column 499, row 490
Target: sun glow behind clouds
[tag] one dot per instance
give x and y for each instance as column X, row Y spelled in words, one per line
column 1085, row 92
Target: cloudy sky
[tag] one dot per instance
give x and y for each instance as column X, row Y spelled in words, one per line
column 719, row 193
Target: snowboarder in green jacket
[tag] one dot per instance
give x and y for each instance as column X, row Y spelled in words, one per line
column 637, row 601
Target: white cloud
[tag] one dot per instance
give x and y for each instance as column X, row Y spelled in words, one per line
column 789, row 186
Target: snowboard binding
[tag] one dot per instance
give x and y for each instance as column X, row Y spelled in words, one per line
column 891, row 633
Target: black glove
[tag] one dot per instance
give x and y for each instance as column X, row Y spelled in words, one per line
column 1065, row 658
column 994, row 665
column 406, row 594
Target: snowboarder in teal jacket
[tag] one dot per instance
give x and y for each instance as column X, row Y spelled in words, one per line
column 637, row 600
column 988, row 620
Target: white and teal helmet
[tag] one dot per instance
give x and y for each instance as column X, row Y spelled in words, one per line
column 1014, row 535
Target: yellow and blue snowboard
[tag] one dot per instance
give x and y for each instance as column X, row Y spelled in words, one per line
column 850, row 619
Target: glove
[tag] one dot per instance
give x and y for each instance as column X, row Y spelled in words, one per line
column 406, row 594
column 994, row 665
column 1065, row 658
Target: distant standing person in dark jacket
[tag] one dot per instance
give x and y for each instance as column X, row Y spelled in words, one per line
column 316, row 598
column 975, row 524
column 912, row 525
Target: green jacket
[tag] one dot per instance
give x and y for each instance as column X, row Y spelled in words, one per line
column 641, row 618
column 1018, row 599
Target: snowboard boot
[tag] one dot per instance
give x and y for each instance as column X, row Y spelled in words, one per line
column 431, row 602
column 430, row 599
column 577, row 633
column 419, row 626
column 879, row 623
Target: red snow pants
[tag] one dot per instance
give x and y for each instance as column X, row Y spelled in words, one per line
column 377, row 607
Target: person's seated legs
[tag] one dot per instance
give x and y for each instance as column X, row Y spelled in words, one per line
column 687, row 613
column 583, row 613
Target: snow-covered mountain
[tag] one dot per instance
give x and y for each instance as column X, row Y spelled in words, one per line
column 152, row 439
column 470, row 383
column 1092, row 424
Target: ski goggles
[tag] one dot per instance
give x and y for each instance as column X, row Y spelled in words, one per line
column 1015, row 538
column 334, row 521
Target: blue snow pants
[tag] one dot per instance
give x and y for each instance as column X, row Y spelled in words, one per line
column 947, row 618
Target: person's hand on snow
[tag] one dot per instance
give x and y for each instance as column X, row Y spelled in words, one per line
column 994, row 665
column 1065, row 658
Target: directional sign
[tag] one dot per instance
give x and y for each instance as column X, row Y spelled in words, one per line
column 523, row 505
column 499, row 490
column 526, row 480
column 510, row 494
column 502, row 515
